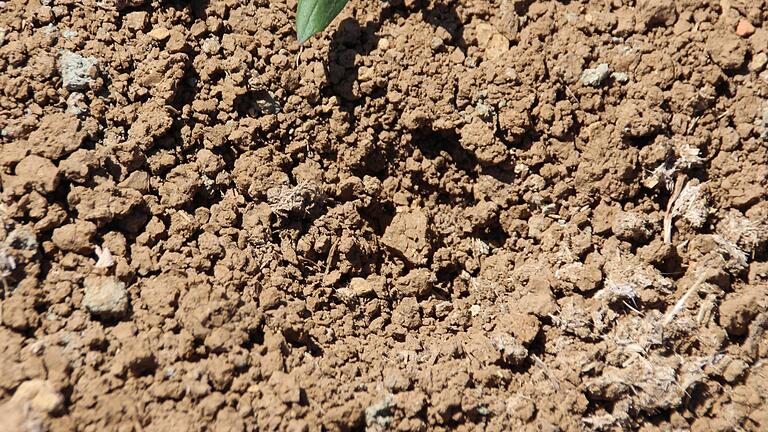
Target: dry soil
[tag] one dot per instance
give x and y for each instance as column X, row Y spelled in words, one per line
column 465, row 215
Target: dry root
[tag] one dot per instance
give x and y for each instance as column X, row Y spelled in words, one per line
column 680, row 304
column 687, row 199
column 666, row 174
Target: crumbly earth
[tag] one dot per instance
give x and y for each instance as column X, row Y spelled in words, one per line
column 434, row 215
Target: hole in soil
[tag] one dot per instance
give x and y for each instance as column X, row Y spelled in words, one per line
column 448, row 274
column 378, row 215
column 312, row 347
column 434, row 143
column 187, row 91
column 255, row 337
column 493, row 235
column 41, row 308
column 256, row 103
column 539, row 343
column 639, row 142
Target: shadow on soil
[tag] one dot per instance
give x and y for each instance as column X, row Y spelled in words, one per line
column 351, row 40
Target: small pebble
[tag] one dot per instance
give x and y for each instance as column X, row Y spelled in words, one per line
column 41, row 396
column 106, row 298
column 596, row 76
column 159, row 33
column 620, row 77
column 735, row 370
column 211, row 45
column 745, row 28
column 77, row 71
column 758, row 62
column 437, row 43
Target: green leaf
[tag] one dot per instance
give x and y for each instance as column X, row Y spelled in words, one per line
column 313, row 16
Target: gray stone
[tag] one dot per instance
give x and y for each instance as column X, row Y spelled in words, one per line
column 596, row 76
column 379, row 415
column 7, row 264
column 106, row 297
column 620, row 77
column 764, row 123
column 76, row 70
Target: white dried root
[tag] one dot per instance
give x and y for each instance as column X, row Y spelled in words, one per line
column 650, row 382
column 688, row 198
column 689, row 201
column 680, row 304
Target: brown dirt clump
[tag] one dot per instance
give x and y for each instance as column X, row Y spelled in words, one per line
column 525, row 215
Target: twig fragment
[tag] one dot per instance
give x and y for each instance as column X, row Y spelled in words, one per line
column 669, row 215
column 680, row 304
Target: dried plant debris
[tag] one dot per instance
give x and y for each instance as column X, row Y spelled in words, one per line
column 651, row 383
column 304, row 199
column 104, row 257
column 689, row 200
column 692, row 204
column 736, row 260
column 574, row 318
column 629, row 278
column 680, row 304
column 747, row 234
column 685, row 157
column 636, row 334
column 632, row 226
column 713, row 253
